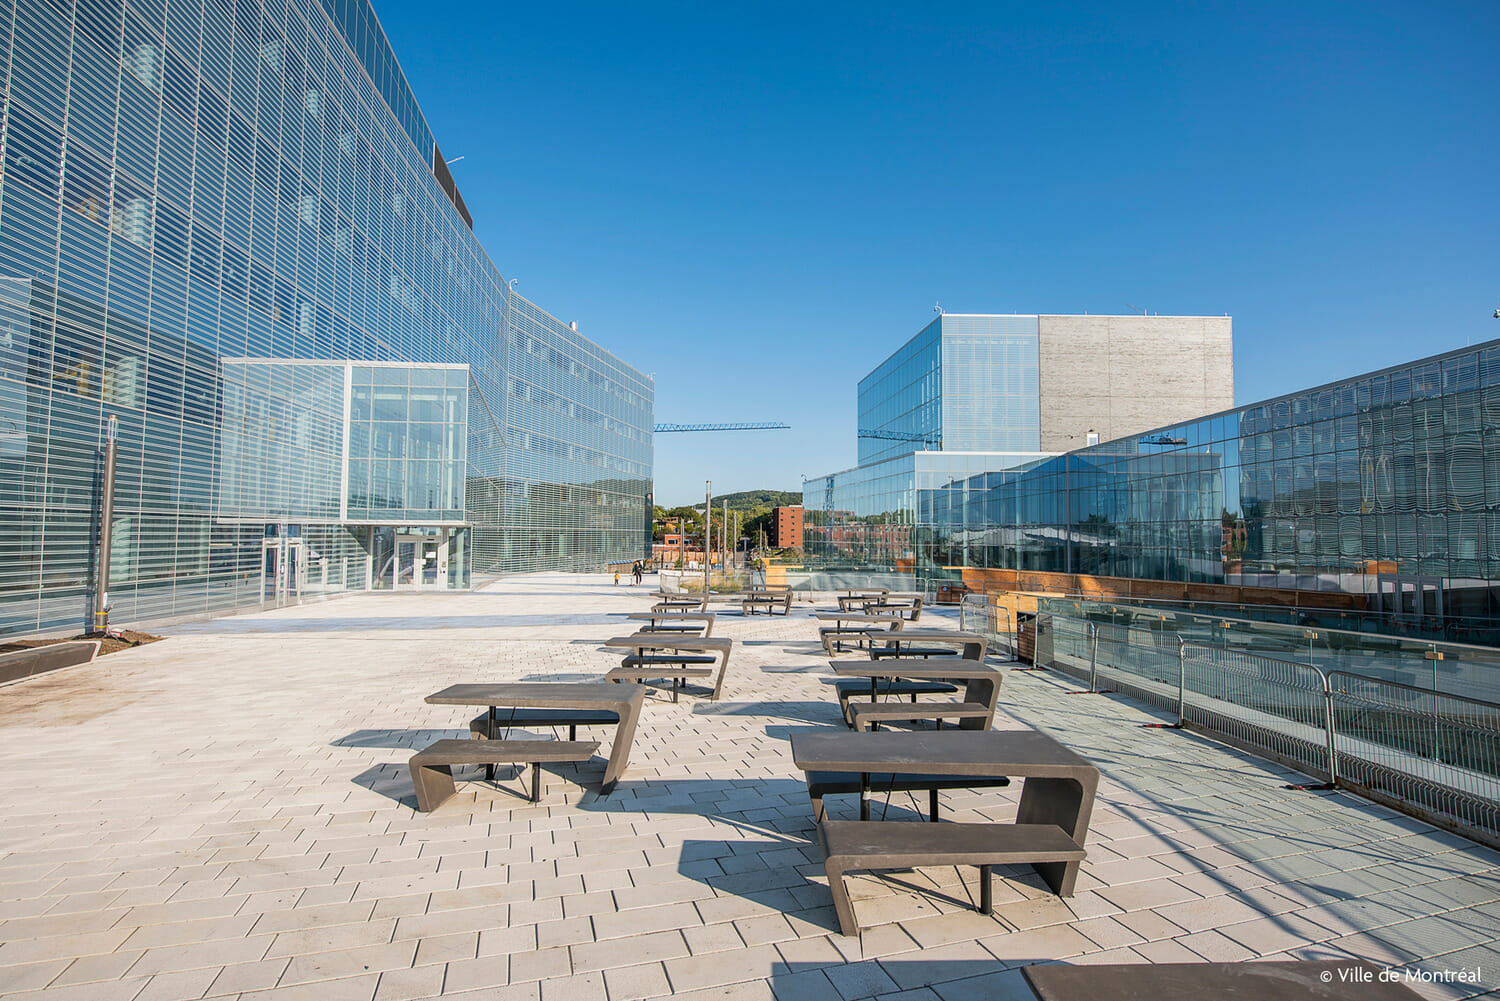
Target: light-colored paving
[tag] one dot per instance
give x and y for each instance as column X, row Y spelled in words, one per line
column 228, row 813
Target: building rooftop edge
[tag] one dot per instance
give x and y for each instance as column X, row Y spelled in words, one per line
column 1425, row 360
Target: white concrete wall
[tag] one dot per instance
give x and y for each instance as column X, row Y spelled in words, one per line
column 1122, row 375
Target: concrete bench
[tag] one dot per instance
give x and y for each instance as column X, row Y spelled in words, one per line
column 767, row 600
column 856, row 845
column 680, row 603
column 480, row 726
column 820, row 784
column 686, row 621
column 656, row 656
column 869, row 715
column 909, row 609
column 896, row 650
column 677, row 669
column 850, row 688
column 833, row 638
column 432, row 767
column 975, row 711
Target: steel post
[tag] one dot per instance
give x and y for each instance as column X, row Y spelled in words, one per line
column 1094, row 658
column 1329, row 724
column 1181, row 681
column 106, row 523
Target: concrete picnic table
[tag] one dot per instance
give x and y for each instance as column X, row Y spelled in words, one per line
column 661, row 621
column 981, row 684
column 972, row 645
column 588, row 695
column 1051, row 820
column 1059, row 784
column 830, row 635
column 680, row 645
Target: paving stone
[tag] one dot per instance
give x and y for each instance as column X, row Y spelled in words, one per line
column 248, row 977
column 721, row 968
column 288, row 862
column 177, row 986
column 408, row 985
column 632, row 983
column 487, row 971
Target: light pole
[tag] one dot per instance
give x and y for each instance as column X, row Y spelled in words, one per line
column 708, row 520
column 106, row 522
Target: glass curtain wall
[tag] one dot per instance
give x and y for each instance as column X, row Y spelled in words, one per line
column 1386, row 484
column 210, row 179
column 991, row 384
column 903, row 397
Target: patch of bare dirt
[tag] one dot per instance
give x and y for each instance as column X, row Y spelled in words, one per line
column 111, row 642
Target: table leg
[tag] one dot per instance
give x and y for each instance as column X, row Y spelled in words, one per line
column 489, row 770
column 1066, row 803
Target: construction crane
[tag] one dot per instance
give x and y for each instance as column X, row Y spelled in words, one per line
column 723, row 427
column 930, row 438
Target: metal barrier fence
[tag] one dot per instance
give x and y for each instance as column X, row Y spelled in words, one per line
column 1434, row 755
column 977, row 614
column 1456, row 668
column 1410, row 748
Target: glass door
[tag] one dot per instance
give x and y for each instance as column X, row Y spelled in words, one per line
column 294, row 570
column 406, row 562
column 431, row 548
column 270, row 570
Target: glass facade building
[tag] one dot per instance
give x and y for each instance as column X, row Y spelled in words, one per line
column 1386, row 484
column 227, row 224
column 964, row 384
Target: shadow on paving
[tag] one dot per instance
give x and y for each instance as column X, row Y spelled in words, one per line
column 979, row 979
column 398, row 623
column 413, row 740
column 800, row 712
column 393, row 780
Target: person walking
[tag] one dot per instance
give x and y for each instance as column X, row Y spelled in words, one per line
column 640, row 571
column 617, row 578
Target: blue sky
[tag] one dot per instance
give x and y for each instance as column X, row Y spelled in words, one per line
column 759, row 202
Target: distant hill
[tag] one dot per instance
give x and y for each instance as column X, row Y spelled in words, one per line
column 749, row 500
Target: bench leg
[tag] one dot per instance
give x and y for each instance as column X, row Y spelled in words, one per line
column 434, row 784
column 536, row 781
column 619, row 751
column 817, row 806
column 1057, row 801
column 932, row 804
column 986, row 900
column 842, row 906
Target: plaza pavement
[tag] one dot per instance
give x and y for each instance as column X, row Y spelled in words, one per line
column 228, row 814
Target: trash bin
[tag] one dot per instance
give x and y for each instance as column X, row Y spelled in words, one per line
column 1026, row 637
column 951, row 594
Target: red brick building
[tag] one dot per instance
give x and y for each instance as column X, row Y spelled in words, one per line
column 786, row 527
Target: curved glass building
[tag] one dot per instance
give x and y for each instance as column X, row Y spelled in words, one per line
column 227, row 224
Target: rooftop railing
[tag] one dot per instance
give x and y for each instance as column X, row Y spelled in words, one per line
column 1435, row 755
column 1459, row 669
